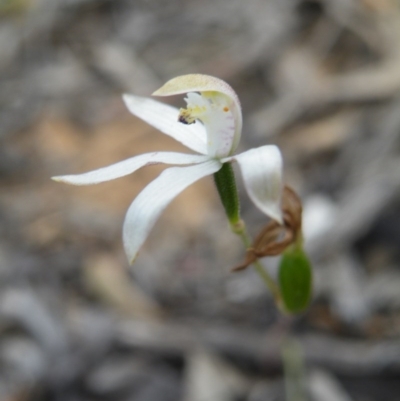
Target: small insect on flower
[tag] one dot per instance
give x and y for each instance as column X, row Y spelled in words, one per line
column 211, row 125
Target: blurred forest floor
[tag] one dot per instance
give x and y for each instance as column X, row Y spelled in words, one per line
column 319, row 78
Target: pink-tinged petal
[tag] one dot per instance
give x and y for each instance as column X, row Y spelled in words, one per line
column 262, row 175
column 205, row 84
column 165, row 118
column 129, row 166
column 149, row 204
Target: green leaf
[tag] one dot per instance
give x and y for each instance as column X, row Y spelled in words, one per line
column 295, row 280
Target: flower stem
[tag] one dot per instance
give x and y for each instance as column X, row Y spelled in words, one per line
column 240, row 230
column 226, row 186
column 294, row 370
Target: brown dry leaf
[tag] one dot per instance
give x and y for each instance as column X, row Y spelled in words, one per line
column 320, row 136
column 56, row 139
column 380, row 5
column 209, row 377
column 274, row 238
column 44, row 230
column 106, row 276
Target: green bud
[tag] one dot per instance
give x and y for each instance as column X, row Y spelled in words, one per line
column 295, row 280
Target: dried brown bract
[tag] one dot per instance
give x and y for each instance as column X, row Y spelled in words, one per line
column 274, row 238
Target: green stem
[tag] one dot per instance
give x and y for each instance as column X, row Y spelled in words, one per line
column 294, row 370
column 226, row 186
column 240, row 230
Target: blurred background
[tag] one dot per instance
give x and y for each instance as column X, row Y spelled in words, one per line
column 319, row 78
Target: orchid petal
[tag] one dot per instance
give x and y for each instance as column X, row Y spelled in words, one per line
column 165, row 118
column 149, row 204
column 262, row 175
column 129, row 166
column 205, row 84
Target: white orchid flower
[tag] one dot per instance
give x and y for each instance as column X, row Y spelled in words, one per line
column 216, row 106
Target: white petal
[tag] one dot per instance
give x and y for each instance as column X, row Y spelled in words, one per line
column 150, row 203
column 262, row 175
column 165, row 118
column 129, row 166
